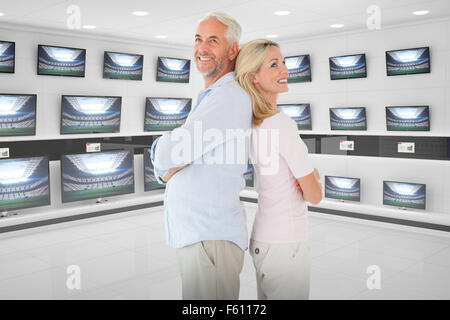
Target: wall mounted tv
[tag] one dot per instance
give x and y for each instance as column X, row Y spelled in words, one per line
column 17, row 114
column 403, row 194
column 173, row 70
column 249, row 176
column 414, row 118
column 7, row 56
column 300, row 113
column 97, row 175
column 150, row 182
column 24, row 183
column 299, row 68
column 408, row 61
column 343, row 188
column 61, row 61
column 166, row 113
column 348, row 118
column 348, row 67
column 90, row 114
column 123, row 66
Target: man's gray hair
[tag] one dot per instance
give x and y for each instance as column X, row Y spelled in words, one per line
column 233, row 34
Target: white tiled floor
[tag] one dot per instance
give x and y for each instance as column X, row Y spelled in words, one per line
column 125, row 257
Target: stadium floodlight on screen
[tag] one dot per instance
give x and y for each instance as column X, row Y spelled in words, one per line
column 299, row 68
column 343, row 188
column 249, row 176
column 61, row 61
column 348, row 118
column 97, row 175
column 300, row 113
column 90, row 114
column 123, row 66
column 163, row 114
column 408, row 61
column 348, row 67
column 404, row 194
column 17, row 114
column 24, row 183
column 173, row 70
column 7, row 56
column 150, row 182
column 414, row 118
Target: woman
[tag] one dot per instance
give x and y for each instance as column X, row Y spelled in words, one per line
column 286, row 179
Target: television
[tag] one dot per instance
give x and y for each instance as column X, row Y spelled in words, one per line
column 150, row 182
column 17, row 114
column 348, row 118
column 403, row 194
column 299, row 68
column 414, row 118
column 61, row 61
column 408, row 61
column 96, row 175
column 300, row 113
column 343, row 188
column 173, row 70
column 122, row 66
column 7, row 56
column 166, row 113
column 249, row 176
column 348, row 67
column 90, row 114
column 24, row 183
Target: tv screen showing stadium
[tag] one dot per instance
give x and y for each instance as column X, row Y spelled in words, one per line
column 299, row 68
column 90, row 114
column 300, row 113
column 61, row 61
column 17, row 114
column 173, row 70
column 249, row 176
column 348, row 67
column 123, row 66
column 97, row 175
column 348, row 119
column 408, row 61
column 7, row 56
column 166, row 113
column 342, row 188
column 403, row 194
column 414, row 118
column 150, row 182
column 24, row 183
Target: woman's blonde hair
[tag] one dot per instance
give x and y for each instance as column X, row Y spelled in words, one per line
column 249, row 61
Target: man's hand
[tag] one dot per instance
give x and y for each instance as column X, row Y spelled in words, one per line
column 170, row 173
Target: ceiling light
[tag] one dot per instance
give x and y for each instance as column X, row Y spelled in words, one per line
column 337, row 26
column 272, row 36
column 282, row 13
column 89, row 27
column 140, row 13
column 161, row 36
column 421, row 12
column 1, row 14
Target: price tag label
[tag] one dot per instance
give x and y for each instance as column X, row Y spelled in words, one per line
column 93, row 147
column 4, row 153
column 347, row 145
column 406, row 147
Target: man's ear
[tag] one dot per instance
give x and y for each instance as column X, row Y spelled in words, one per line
column 233, row 52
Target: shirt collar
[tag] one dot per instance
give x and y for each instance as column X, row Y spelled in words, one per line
column 228, row 77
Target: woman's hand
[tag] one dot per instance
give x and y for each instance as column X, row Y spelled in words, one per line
column 171, row 172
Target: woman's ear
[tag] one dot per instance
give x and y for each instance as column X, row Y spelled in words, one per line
column 253, row 78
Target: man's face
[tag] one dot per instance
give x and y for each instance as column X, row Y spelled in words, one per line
column 211, row 48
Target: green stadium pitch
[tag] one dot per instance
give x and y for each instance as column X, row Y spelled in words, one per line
column 122, row 76
column 406, row 128
column 341, row 197
column 347, row 76
column 299, row 79
column 348, row 128
column 16, row 131
column 404, row 204
column 96, row 193
column 93, row 129
column 24, row 203
column 406, row 72
column 154, row 185
column 160, row 127
column 61, row 73
column 169, row 79
column 6, row 69
column 304, row 127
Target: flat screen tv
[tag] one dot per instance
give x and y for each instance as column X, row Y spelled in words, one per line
column 7, row 56
column 61, row 61
column 123, row 66
column 343, row 188
column 414, row 118
column 249, row 176
column 150, row 182
column 166, row 113
column 348, row 118
column 90, row 114
column 24, row 183
column 403, row 194
column 348, row 67
column 299, row 68
column 97, row 175
column 300, row 113
column 408, row 61
column 173, row 70
column 17, row 114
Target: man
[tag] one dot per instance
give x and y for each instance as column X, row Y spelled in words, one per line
column 205, row 219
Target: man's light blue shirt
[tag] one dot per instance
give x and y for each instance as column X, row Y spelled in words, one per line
column 202, row 201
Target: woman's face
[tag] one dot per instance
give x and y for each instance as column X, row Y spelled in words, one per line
column 272, row 76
